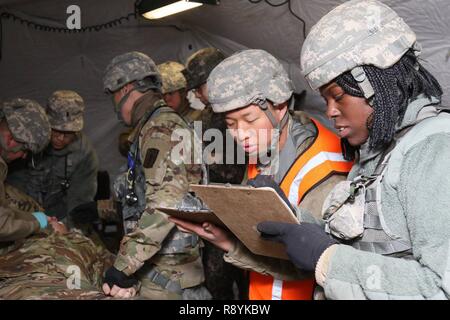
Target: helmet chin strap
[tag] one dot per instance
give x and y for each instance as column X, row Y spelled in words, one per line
column 363, row 82
column 118, row 107
column 278, row 126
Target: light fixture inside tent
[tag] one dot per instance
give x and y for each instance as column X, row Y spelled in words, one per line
column 156, row 9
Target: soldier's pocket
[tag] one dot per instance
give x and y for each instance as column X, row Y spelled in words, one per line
column 343, row 211
column 155, row 162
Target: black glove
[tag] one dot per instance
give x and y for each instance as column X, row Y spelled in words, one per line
column 304, row 242
column 85, row 213
column 267, row 181
column 118, row 278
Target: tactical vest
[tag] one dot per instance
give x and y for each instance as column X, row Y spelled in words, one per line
column 321, row 159
column 363, row 219
column 56, row 195
column 353, row 212
column 48, row 177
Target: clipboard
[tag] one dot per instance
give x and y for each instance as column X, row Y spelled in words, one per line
column 196, row 216
column 241, row 208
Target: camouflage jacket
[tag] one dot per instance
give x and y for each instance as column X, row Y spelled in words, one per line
column 167, row 181
column 52, row 266
column 76, row 164
column 47, row 265
column 14, row 224
column 309, row 210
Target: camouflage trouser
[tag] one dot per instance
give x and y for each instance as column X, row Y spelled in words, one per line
column 165, row 289
column 151, row 291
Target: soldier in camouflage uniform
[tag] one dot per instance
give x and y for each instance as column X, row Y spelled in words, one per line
column 174, row 90
column 167, row 262
column 63, row 178
column 49, row 265
column 198, row 67
column 37, row 255
column 64, row 265
column 24, row 127
column 175, row 95
column 253, row 90
column 392, row 214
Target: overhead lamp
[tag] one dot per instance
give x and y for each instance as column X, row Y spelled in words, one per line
column 156, row 9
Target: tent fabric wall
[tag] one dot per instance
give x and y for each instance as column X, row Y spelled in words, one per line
column 36, row 63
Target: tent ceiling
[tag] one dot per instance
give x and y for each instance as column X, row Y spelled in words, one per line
column 35, row 63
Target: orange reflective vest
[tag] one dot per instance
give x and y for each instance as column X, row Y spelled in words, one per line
column 322, row 159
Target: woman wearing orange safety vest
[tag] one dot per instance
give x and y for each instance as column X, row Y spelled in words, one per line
column 301, row 156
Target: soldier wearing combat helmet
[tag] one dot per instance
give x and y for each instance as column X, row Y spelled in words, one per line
column 63, row 178
column 392, row 213
column 24, row 128
column 165, row 261
column 198, row 67
column 292, row 153
column 174, row 90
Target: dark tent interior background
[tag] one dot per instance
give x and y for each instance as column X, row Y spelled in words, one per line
column 34, row 62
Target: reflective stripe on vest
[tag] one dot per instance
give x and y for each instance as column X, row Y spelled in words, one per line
column 264, row 287
column 322, row 159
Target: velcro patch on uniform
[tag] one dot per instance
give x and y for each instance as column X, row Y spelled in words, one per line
column 150, row 157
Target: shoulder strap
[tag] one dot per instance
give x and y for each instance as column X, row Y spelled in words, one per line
column 382, row 163
column 321, row 159
column 161, row 107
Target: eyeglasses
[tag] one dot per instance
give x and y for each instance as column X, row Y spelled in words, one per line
column 63, row 134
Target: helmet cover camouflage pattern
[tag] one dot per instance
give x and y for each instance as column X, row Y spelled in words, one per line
column 127, row 68
column 356, row 33
column 27, row 122
column 247, row 77
column 172, row 77
column 200, row 64
column 65, row 111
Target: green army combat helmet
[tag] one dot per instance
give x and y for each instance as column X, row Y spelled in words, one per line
column 65, row 111
column 131, row 67
column 250, row 77
column 200, row 64
column 27, row 122
column 172, row 77
column 356, row 33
